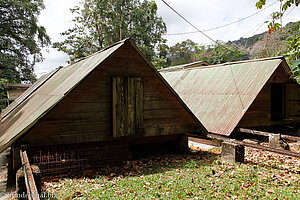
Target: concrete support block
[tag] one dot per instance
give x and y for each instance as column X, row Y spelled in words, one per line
column 276, row 142
column 21, row 186
column 232, row 152
column 216, row 142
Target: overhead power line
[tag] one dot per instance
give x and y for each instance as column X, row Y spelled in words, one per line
column 218, row 27
column 189, row 22
column 211, row 40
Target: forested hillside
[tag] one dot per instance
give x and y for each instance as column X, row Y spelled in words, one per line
column 276, row 43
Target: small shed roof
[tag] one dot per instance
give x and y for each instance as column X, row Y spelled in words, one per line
column 185, row 66
column 220, row 95
column 50, row 89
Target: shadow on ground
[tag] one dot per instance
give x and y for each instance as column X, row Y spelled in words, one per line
column 149, row 165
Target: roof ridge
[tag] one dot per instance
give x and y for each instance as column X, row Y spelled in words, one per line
column 224, row 64
column 97, row 52
column 241, row 61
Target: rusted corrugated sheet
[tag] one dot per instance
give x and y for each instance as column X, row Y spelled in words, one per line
column 44, row 95
column 220, row 95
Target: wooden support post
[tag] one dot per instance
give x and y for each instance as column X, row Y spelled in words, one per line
column 232, row 152
column 183, row 142
column 32, row 192
column 21, row 185
column 14, row 164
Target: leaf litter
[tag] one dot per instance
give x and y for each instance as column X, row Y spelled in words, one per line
column 193, row 175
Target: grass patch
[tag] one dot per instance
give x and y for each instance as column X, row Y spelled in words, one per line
column 198, row 175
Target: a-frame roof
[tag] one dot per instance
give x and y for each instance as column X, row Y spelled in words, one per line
column 50, row 89
column 220, row 95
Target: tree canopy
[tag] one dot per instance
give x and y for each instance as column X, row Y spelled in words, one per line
column 21, row 39
column 188, row 51
column 292, row 50
column 99, row 23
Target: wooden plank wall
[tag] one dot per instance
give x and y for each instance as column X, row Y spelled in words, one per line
column 85, row 114
column 259, row 113
column 293, row 101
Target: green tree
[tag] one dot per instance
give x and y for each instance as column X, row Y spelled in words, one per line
column 270, row 45
column 220, row 53
column 284, row 5
column 3, row 94
column 184, row 52
column 99, row 23
column 162, row 59
column 294, row 43
column 21, row 39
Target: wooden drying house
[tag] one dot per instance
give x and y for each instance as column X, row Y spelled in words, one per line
column 257, row 94
column 110, row 107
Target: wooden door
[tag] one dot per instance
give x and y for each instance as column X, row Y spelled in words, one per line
column 127, row 105
column 292, row 101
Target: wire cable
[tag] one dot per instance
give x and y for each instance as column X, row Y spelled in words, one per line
column 189, row 22
column 222, row 26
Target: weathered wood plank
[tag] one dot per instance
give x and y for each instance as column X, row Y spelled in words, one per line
column 114, row 107
column 155, row 105
column 95, row 87
column 68, row 138
column 29, row 179
column 131, row 107
column 184, row 120
column 156, row 96
column 77, row 107
column 88, row 98
column 262, row 133
column 77, row 117
column 167, row 129
column 61, row 128
column 148, row 114
column 139, row 120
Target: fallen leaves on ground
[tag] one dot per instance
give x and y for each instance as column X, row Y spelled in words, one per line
column 194, row 175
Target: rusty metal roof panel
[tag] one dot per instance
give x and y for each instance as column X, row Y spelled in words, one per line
column 220, row 95
column 44, row 95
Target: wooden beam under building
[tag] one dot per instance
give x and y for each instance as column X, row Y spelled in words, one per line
column 256, row 146
column 267, row 134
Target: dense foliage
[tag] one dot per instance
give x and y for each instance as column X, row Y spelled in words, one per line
column 3, row 94
column 100, row 23
column 293, row 44
column 21, row 39
column 189, row 51
column 281, row 42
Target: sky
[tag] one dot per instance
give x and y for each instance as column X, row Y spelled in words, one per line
column 205, row 15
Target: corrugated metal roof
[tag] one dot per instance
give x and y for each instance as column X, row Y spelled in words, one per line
column 44, row 95
column 220, row 95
